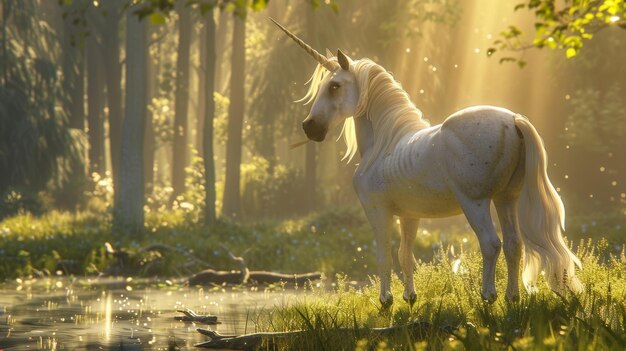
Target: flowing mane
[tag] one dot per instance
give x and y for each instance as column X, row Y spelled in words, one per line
column 381, row 100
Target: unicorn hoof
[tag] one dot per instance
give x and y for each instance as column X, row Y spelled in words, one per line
column 489, row 298
column 387, row 302
column 512, row 297
column 411, row 298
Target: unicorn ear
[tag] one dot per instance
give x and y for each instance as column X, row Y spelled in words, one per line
column 344, row 61
column 329, row 54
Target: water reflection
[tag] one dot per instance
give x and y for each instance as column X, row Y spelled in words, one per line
column 111, row 314
column 107, row 316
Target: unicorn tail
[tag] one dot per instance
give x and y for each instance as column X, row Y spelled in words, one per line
column 542, row 220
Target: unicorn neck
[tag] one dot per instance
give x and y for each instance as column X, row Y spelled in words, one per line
column 364, row 135
column 386, row 112
column 392, row 112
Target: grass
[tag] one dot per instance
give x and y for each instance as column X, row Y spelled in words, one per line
column 592, row 320
column 32, row 245
column 340, row 241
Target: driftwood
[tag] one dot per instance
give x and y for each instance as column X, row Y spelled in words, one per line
column 263, row 277
column 213, row 277
column 412, row 332
column 245, row 276
column 191, row 316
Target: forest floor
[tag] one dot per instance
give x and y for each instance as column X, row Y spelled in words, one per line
column 339, row 243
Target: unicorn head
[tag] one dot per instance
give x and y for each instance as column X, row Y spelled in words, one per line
column 335, row 96
column 333, row 91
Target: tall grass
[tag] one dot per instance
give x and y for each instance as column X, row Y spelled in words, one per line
column 457, row 318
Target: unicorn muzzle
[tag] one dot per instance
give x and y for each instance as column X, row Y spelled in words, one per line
column 314, row 130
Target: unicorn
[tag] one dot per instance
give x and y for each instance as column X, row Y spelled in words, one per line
column 413, row 170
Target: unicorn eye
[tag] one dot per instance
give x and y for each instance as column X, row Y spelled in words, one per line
column 334, row 86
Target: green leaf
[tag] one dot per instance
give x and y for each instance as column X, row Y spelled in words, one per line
column 519, row 7
column 571, row 52
column 157, row 18
column 515, row 31
column 315, row 3
column 258, row 5
column 587, row 36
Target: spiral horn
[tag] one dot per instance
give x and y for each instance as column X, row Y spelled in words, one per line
column 329, row 65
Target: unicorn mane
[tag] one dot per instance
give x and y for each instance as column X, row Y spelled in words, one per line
column 381, row 100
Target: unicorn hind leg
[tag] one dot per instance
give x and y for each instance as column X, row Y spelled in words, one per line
column 506, row 206
column 479, row 218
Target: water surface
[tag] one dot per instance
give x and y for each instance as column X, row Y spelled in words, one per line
column 122, row 314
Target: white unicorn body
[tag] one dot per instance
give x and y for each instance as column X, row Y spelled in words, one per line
column 412, row 170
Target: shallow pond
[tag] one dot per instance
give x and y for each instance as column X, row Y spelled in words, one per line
column 118, row 314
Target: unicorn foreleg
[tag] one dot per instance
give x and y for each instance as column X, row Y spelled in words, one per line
column 406, row 258
column 381, row 221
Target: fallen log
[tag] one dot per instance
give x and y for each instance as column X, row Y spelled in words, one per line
column 245, row 276
column 145, row 260
column 264, row 277
column 410, row 332
column 213, row 277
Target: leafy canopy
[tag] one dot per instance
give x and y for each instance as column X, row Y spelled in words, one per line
column 563, row 26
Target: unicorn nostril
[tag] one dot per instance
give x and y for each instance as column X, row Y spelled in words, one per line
column 314, row 130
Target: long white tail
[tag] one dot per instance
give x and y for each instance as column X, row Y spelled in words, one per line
column 542, row 220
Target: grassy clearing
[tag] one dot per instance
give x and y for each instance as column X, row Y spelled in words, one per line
column 337, row 241
column 32, row 245
column 447, row 282
column 593, row 320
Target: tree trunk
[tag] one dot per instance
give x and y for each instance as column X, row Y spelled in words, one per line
column 149, row 136
column 209, row 115
column 202, row 66
column 111, row 51
column 95, row 100
column 179, row 154
column 5, row 17
column 73, row 86
column 310, row 168
column 232, row 196
column 128, row 214
column 220, row 46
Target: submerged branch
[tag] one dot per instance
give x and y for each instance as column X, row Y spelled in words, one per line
column 191, row 316
column 414, row 331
